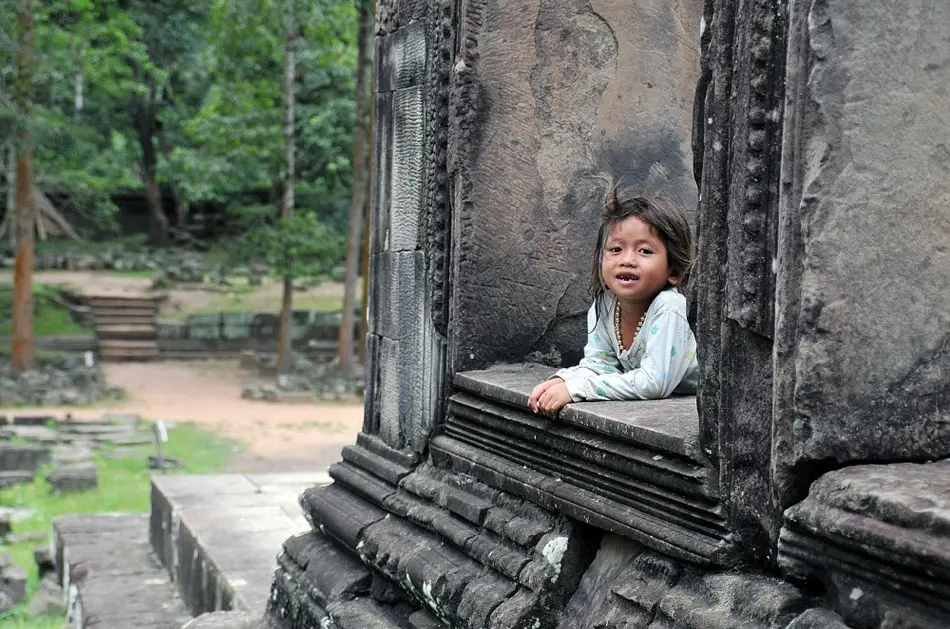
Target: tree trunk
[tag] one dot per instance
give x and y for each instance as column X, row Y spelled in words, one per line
column 146, row 125
column 23, row 344
column 284, row 345
column 360, row 152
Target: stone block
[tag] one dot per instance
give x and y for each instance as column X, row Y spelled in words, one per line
column 22, row 457
column 48, row 599
column 863, row 372
column 73, row 478
column 12, row 582
column 14, row 477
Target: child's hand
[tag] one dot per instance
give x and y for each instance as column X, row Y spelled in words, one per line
column 549, row 397
column 538, row 391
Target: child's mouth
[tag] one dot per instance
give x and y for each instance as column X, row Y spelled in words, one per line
column 627, row 279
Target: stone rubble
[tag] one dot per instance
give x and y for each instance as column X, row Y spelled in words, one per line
column 65, row 380
column 309, row 380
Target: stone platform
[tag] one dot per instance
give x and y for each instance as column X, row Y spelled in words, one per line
column 219, row 535
column 112, row 578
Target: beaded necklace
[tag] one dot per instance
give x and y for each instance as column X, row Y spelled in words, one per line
column 617, row 327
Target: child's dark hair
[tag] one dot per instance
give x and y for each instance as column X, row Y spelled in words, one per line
column 667, row 222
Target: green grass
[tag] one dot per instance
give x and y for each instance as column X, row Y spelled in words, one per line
column 49, row 318
column 123, row 487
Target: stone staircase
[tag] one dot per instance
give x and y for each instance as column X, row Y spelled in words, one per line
column 126, row 327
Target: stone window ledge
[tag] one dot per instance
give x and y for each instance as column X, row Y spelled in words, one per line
column 670, row 425
column 632, row 468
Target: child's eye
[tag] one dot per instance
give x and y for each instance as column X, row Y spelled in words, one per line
column 614, row 249
column 646, row 251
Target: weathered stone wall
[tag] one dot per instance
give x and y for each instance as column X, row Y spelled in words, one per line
column 863, row 310
column 553, row 101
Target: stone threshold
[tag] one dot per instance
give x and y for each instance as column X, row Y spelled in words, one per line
column 631, row 468
column 111, row 577
column 218, row 536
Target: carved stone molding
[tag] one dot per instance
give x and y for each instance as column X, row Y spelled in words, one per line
column 878, row 538
column 633, row 468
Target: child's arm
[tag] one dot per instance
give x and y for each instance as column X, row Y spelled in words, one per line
column 670, row 348
column 600, row 356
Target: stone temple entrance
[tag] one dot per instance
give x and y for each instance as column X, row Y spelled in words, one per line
column 807, row 484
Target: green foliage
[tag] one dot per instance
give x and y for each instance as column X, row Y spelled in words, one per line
column 296, row 247
column 123, row 488
column 208, row 74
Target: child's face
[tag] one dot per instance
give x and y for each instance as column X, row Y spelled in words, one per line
column 635, row 265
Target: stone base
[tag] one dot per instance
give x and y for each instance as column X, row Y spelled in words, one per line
column 218, row 535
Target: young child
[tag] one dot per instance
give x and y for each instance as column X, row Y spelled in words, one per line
column 639, row 344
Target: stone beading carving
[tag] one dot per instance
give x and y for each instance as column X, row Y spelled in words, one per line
column 739, row 107
column 757, row 151
column 437, row 216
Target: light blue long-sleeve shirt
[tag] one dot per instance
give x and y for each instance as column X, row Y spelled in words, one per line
column 660, row 361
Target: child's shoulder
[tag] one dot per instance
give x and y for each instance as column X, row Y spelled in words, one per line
column 669, row 300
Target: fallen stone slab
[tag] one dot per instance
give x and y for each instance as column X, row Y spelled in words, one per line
column 95, row 428
column 29, row 536
column 125, row 419
column 48, row 599
column 139, row 439
column 33, row 420
column 164, row 463
column 40, row 434
column 23, row 457
column 73, row 478
column 227, row 620
column 14, row 477
column 72, row 454
column 112, row 579
column 12, row 582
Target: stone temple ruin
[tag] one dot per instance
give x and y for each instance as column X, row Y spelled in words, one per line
column 804, row 487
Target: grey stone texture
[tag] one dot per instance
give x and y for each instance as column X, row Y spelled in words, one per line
column 23, row 457
column 112, row 580
column 877, row 537
column 863, row 359
column 618, row 473
column 817, row 177
column 553, row 101
column 12, row 583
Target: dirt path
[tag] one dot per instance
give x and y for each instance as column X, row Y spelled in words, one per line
column 279, row 437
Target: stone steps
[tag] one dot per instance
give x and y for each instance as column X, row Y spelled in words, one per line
column 126, row 326
column 218, row 536
column 110, row 575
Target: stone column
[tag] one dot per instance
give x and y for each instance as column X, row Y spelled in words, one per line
column 405, row 346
